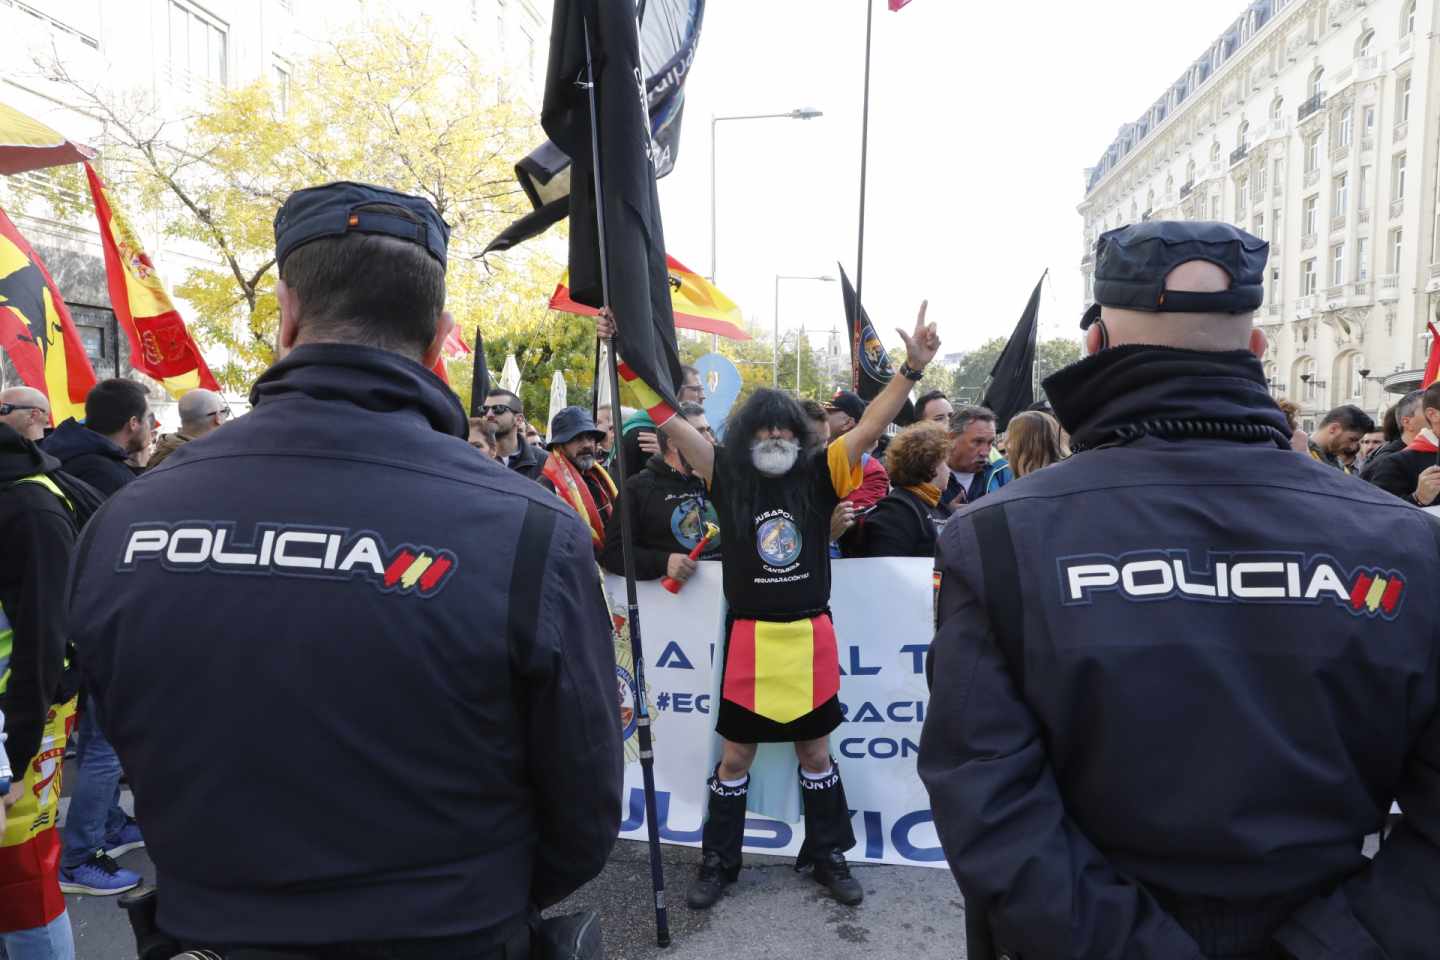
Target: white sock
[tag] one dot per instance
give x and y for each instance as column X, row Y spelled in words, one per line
column 732, row 784
column 817, row 776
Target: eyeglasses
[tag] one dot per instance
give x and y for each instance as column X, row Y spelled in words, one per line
column 8, row 408
column 498, row 408
column 223, row 413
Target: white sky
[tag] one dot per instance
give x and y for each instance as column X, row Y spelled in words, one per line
column 983, row 117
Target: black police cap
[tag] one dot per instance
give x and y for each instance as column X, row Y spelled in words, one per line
column 335, row 209
column 1132, row 262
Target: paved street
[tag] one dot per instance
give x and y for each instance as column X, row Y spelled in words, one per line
column 909, row 912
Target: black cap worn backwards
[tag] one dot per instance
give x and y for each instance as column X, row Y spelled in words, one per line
column 1131, row 265
column 848, row 403
column 335, row 209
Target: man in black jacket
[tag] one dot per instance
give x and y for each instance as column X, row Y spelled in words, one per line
column 38, row 530
column 1168, row 705
column 672, row 508
column 390, row 656
column 118, row 423
column 503, row 411
column 1408, row 421
column 1413, row 474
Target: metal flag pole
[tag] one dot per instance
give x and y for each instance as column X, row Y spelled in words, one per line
column 642, row 705
column 860, row 253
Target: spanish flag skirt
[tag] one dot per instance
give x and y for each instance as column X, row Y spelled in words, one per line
column 781, row 681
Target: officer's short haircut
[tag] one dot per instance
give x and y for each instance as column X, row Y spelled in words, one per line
column 111, row 403
column 925, row 398
column 1431, row 397
column 510, row 398
column 687, row 410
column 963, row 416
column 369, row 289
column 1409, row 405
column 1350, row 418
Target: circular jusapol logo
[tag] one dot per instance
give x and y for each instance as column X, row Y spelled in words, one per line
column 778, row 541
column 629, row 696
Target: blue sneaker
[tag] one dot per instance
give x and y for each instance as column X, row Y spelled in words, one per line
column 99, row 876
column 124, row 840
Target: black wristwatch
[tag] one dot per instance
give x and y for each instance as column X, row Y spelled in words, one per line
column 910, row 373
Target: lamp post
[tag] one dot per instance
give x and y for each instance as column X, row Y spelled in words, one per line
column 799, row 113
column 775, row 344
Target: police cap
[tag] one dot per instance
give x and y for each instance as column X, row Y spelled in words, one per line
column 1131, row 264
column 335, row 209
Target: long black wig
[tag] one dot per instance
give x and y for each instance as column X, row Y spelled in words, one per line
column 765, row 410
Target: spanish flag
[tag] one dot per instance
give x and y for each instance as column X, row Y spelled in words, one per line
column 160, row 346
column 782, row 671
column 37, row 331
column 699, row 304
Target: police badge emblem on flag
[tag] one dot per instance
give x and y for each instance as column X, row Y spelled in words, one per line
column 627, row 689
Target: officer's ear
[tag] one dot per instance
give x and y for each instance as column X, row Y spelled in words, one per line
column 289, row 319
column 1259, row 343
column 443, row 326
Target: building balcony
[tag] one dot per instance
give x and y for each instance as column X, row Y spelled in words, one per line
column 1367, row 68
column 1239, row 153
column 1363, row 216
column 1335, row 295
column 1340, row 151
column 1304, row 307
column 1397, row 207
column 1361, row 292
column 1389, row 287
column 1403, row 381
column 1434, row 285
column 1310, row 107
column 1307, row 242
column 1312, row 177
column 1337, row 223
column 1367, row 144
column 1186, row 188
column 1402, row 130
column 1341, row 9
column 1272, row 308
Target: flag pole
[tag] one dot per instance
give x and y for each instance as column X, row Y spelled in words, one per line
column 642, row 705
column 860, row 253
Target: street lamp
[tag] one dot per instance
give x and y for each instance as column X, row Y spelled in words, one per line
column 775, row 344
column 799, row 113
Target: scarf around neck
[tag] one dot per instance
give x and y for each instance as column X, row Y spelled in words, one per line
column 571, row 486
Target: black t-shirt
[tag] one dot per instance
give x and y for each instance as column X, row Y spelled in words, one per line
column 776, row 556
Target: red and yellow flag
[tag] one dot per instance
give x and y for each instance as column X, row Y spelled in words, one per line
column 36, row 329
column 1432, row 364
column 782, row 671
column 160, row 346
column 698, row 303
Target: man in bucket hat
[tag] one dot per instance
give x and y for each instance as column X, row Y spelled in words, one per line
column 574, row 473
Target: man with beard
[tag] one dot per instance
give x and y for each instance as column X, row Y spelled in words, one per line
column 504, row 415
column 671, row 508
column 573, row 471
column 781, row 679
column 1338, row 438
column 1168, row 705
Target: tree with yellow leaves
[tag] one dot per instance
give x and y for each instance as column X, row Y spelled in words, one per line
column 390, row 105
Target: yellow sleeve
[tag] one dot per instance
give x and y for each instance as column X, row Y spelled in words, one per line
column 843, row 477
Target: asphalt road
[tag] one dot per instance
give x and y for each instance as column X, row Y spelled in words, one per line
column 909, row 912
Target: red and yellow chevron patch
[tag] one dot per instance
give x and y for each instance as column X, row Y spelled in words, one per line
column 417, row 571
column 1372, row 593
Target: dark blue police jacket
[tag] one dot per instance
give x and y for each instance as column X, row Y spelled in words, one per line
column 349, row 708
column 1163, row 724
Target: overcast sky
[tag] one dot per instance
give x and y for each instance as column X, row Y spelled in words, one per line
column 983, row 117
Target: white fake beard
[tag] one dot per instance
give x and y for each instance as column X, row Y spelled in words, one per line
column 775, row 457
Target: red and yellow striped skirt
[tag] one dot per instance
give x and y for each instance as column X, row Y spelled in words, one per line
column 782, row 681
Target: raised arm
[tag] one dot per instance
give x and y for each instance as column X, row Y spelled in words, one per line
column 920, row 348
column 699, row 451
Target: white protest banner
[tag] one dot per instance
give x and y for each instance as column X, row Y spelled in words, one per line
column 882, row 610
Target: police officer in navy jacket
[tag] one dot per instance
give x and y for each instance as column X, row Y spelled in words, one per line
column 1179, row 677
column 360, row 675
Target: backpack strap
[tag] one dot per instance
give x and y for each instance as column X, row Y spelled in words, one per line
column 1002, row 588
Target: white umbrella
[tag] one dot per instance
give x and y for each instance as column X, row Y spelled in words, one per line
column 510, row 376
column 557, row 400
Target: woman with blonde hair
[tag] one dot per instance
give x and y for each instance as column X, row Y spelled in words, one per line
column 908, row 521
column 1034, row 442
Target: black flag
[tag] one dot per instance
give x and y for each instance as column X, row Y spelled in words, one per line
column 873, row 369
column 480, row 378
column 634, row 241
column 1012, row 380
column 669, row 36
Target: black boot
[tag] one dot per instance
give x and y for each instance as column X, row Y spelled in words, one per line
column 720, row 843
column 828, row 835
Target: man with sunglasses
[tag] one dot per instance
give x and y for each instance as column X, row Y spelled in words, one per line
column 201, row 412
column 502, row 412
column 26, row 411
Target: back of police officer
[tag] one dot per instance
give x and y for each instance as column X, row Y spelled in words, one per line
column 1180, row 676
column 360, row 676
